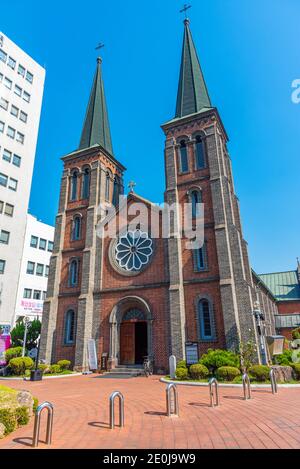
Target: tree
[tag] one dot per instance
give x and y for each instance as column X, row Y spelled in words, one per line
column 33, row 332
column 247, row 351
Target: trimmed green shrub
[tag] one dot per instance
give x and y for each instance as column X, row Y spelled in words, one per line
column 260, row 372
column 55, row 369
column 296, row 333
column 284, row 359
column 9, row 420
column 296, row 368
column 181, row 364
column 214, row 359
column 198, row 371
column 227, row 373
column 64, row 364
column 20, row 364
column 22, row 415
column 182, row 373
column 13, row 352
column 43, row 367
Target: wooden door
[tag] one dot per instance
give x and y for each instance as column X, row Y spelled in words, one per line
column 127, row 343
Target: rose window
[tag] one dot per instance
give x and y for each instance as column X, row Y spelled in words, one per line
column 133, row 250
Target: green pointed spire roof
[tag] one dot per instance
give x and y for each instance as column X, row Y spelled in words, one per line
column 96, row 129
column 192, row 92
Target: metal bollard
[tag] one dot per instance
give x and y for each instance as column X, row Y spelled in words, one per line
column 246, row 386
column 112, row 409
column 172, row 387
column 214, row 402
column 273, row 381
column 37, row 420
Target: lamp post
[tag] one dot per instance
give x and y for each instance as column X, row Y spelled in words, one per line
column 259, row 318
column 26, row 322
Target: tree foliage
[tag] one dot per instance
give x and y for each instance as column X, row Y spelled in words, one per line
column 33, row 332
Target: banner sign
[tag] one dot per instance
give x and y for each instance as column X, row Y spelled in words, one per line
column 191, row 353
column 31, row 306
column 92, row 354
column 4, row 345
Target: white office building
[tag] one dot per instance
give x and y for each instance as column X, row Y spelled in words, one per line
column 21, row 93
column 33, row 279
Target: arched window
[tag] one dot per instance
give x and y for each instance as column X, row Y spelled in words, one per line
column 73, row 273
column 107, row 186
column 74, row 182
column 86, row 183
column 200, row 258
column 184, row 167
column 200, row 153
column 116, row 191
column 206, row 323
column 76, row 228
column 69, row 327
column 196, row 199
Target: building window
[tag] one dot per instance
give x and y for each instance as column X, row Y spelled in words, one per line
column 50, row 246
column 18, row 90
column 43, row 244
column 7, row 155
column 11, row 63
column 46, row 270
column 116, row 191
column 69, row 327
column 20, row 137
column 8, row 83
column 4, row 104
column 40, row 270
column 1, row 126
column 13, row 184
column 206, row 320
column 21, row 70
column 4, row 237
column 14, row 111
column 16, row 161
column 1, row 206
column 37, row 294
column 200, row 259
column 200, row 153
column 29, row 77
column 3, row 180
column 9, row 210
column 74, row 181
column 34, row 241
column 196, row 199
column 23, row 116
column 30, row 268
column 76, row 230
column 44, row 295
column 184, row 167
column 86, row 183
column 10, row 132
column 26, row 97
column 3, row 56
column 27, row 293
column 73, row 273
column 107, row 186
column 2, row 266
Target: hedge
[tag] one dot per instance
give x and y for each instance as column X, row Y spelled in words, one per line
column 227, row 373
column 13, row 352
column 182, row 373
column 260, row 372
column 20, row 365
column 198, row 371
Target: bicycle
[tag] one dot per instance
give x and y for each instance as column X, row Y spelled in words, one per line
column 148, row 367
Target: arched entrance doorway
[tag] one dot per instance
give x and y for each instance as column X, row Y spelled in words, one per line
column 133, row 337
column 130, row 331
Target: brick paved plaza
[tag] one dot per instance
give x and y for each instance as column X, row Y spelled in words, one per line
column 81, row 416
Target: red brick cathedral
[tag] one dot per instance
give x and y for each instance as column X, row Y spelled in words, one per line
column 135, row 295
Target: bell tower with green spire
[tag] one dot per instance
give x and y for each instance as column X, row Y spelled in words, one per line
column 216, row 280
column 91, row 175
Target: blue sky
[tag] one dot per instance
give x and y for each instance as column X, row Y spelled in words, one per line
column 249, row 51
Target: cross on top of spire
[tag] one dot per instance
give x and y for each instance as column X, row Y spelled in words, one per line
column 131, row 186
column 184, row 10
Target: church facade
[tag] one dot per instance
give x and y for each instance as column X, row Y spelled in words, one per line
column 136, row 295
